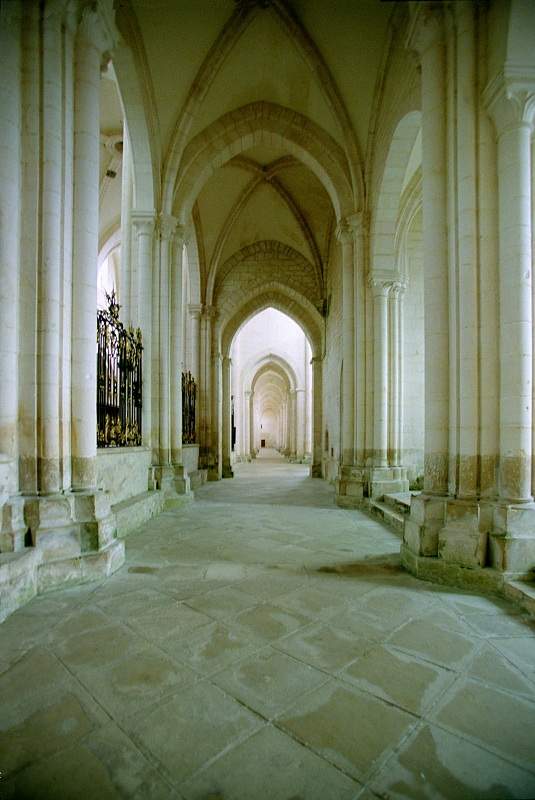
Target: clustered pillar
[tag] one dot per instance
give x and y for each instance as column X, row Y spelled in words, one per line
column 476, row 508
column 50, row 92
column 90, row 46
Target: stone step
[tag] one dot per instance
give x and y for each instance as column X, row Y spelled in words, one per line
column 391, row 517
column 399, row 501
column 18, row 579
column 522, row 593
column 88, row 567
column 379, row 488
column 135, row 511
column 198, row 477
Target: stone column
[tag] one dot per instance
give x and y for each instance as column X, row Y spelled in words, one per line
column 349, row 485
column 247, row 424
column 90, row 45
column 317, row 416
column 252, row 450
column 205, row 386
column 195, row 338
column 282, row 423
column 465, row 482
column 143, row 231
column 345, row 236
column 292, row 416
column 226, row 421
column 125, row 281
column 167, row 224
column 427, row 37
column 380, row 290
column 177, row 347
column 300, row 424
column 513, row 117
column 396, row 382
column 10, row 229
column 70, row 21
column 360, row 224
column 50, row 260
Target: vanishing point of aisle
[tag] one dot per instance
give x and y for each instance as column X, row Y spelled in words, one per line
column 263, row 644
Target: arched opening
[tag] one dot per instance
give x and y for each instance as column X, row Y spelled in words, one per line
column 267, row 397
column 396, row 394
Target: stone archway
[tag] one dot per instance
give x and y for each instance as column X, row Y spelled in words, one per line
column 309, row 320
column 263, row 123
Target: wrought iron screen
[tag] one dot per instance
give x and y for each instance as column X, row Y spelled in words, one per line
column 189, row 399
column 119, row 379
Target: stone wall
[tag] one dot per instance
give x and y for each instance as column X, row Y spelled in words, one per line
column 266, row 262
column 123, row 471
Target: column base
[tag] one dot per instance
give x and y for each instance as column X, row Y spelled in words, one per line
column 227, row 471
column 349, row 487
column 472, row 535
column 315, row 471
column 173, row 481
column 387, row 480
column 53, row 541
column 512, row 539
column 420, row 535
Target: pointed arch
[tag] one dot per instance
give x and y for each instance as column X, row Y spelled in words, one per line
column 393, row 180
column 294, row 266
column 244, row 14
column 271, row 295
column 137, row 98
column 262, row 123
column 266, row 362
column 261, row 177
column 193, row 264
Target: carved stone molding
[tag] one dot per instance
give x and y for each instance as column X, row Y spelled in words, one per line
column 167, row 225
column 510, row 100
column 426, row 28
column 143, row 222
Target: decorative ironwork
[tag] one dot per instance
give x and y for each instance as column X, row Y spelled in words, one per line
column 119, row 379
column 189, row 399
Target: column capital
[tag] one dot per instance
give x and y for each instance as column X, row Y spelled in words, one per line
column 179, row 236
column 209, row 312
column 167, row 225
column 227, row 361
column 350, row 226
column 397, row 289
column 344, row 232
column 96, row 28
column 195, row 310
column 510, row 99
column 143, row 221
column 380, row 284
column 426, row 27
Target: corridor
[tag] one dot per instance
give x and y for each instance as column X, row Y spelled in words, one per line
column 263, row 643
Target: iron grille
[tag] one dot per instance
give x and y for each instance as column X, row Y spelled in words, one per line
column 189, row 398
column 119, row 379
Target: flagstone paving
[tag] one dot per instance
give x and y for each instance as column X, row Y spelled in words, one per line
column 264, row 644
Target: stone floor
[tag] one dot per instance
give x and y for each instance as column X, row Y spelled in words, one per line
column 264, row 644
